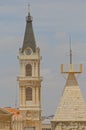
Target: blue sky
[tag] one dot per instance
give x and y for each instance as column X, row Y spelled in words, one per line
column 53, row 22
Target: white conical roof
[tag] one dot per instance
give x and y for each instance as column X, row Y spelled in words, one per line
column 72, row 106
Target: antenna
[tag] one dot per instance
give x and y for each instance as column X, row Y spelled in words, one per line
column 70, row 50
column 71, row 68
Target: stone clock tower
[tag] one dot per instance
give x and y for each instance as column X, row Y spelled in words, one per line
column 30, row 80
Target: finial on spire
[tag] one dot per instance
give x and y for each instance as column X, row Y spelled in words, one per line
column 28, row 8
column 70, row 50
column 29, row 18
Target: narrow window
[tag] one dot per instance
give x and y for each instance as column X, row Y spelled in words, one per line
column 28, row 70
column 28, row 94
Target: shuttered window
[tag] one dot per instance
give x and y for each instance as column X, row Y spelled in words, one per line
column 28, row 70
column 28, row 94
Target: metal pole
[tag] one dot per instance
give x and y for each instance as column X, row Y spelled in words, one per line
column 70, row 51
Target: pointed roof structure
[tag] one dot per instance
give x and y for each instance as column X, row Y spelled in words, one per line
column 72, row 106
column 29, row 39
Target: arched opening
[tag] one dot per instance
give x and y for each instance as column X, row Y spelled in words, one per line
column 28, row 94
column 28, row 70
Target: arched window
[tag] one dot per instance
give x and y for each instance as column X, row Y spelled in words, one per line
column 28, row 70
column 28, row 94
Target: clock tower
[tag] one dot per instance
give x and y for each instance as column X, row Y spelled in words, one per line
column 29, row 79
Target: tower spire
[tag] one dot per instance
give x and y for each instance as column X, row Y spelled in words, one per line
column 29, row 78
column 29, row 38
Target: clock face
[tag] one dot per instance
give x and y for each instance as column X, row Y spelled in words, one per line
column 28, row 51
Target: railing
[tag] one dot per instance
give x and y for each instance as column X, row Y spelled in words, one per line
column 71, row 68
column 29, row 78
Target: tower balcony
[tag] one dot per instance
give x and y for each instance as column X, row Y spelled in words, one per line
column 30, row 57
column 28, row 78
